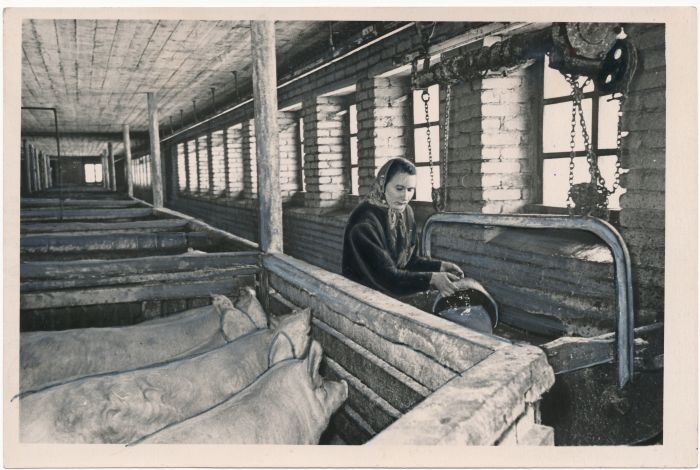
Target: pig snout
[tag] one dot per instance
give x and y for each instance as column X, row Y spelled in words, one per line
column 332, row 395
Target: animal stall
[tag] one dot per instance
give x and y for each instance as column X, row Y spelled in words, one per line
column 409, row 376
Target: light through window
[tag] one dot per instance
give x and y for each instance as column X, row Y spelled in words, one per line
column 354, row 166
column 420, row 139
column 181, row 167
column 301, row 154
column 93, row 173
column 600, row 114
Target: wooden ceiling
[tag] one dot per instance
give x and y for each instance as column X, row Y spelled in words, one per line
column 97, row 73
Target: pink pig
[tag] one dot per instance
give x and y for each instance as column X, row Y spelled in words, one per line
column 50, row 357
column 290, row 404
column 123, row 407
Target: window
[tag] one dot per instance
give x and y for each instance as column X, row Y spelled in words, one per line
column 93, row 172
column 301, row 153
column 234, row 146
column 142, row 171
column 192, row 166
column 181, row 167
column 354, row 167
column 420, row 140
column 601, row 123
column 218, row 168
column 203, row 163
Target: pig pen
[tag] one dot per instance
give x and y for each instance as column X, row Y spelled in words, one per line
column 414, row 378
column 112, row 262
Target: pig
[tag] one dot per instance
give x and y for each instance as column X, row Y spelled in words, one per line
column 290, row 404
column 50, row 357
column 123, row 407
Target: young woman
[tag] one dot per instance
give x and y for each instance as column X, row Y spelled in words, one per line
column 380, row 248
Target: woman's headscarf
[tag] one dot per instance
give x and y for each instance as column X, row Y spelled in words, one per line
column 376, row 193
column 397, row 233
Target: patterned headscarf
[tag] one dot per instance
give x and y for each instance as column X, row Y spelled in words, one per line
column 376, row 194
column 397, row 220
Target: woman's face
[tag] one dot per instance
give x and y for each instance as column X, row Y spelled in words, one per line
column 399, row 190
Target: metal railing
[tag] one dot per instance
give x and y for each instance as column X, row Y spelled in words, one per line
column 624, row 330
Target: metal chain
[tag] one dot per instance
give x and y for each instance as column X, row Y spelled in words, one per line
column 618, row 141
column 593, row 168
column 572, row 144
column 591, row 158
column 446, row 145
column 425, row 96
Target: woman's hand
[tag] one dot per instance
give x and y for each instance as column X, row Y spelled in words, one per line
column 451, row 268
column 444, row 283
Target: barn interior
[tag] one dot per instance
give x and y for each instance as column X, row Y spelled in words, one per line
column 164, row 161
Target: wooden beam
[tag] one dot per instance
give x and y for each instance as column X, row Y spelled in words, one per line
column 27, row 166
column 266, row 134
column 47, row 171
column 122, row 267
column 83, row 214
column 36, row 182
column 569, row 353
column 397, row 388
column 41, row 169
column 127, row 160
column 449, row 344
column 154, row 133
column 106, row 241
column 112, row 173
column 152, row 226
column 376, row 411
column 139, row 279
column 32, row 155
column 123, row 294
column 95, row 136
column 46, row 203
column 105, row 175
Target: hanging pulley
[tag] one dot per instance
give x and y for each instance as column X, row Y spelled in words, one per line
column 617, row 68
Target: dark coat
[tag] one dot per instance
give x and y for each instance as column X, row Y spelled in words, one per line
column 371, row 256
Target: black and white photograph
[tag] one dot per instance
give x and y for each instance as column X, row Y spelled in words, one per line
column 344, row 231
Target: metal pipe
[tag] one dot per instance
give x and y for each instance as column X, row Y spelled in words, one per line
column 292, row 80
column 510, row 52
column 624, row 332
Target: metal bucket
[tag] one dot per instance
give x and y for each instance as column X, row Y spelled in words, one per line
column 471, row 306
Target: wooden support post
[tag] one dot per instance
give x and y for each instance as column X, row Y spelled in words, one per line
column 154, row 134
column 127, row 160
column 31, row 168
column 112, row 172
column 266, row 134
column 105, row 175
column 47, row 170
column 42, row 170
column 35, row 170
column 27, row 166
